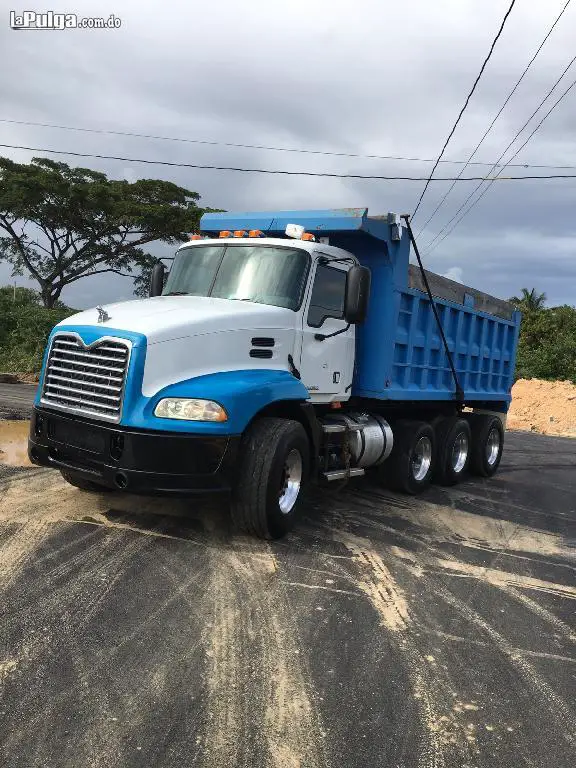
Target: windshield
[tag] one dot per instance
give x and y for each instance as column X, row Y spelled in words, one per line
column 260, row 273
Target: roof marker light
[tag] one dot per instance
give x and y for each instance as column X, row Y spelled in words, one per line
column 308, row 236
column 255, row 233
column 294, row 230
column 240, row 233
column 195, row 237
column 225, row 233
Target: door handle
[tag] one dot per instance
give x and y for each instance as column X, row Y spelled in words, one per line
column 322, row 336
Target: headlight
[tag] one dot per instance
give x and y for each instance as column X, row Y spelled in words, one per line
column 190, row 410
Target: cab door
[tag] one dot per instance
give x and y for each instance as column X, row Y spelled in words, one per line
column 326, row 366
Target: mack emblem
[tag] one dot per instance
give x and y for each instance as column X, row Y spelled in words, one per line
column 103, row 316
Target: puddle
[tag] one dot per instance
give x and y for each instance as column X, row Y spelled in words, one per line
column 14, row 443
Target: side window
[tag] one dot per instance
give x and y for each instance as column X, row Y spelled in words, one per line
column 327, row 295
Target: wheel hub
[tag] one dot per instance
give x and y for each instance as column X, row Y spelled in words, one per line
column 492, row 446
column 291, row 481
column 421, row 458
column 459, row 452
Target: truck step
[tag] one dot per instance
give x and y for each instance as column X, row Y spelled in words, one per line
column 342, row 474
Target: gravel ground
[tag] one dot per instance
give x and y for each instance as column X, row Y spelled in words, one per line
column 386, row 631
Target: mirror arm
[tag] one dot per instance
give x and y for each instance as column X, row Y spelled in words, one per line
column 322, row 336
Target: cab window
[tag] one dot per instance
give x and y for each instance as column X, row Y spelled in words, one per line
column 327, row 295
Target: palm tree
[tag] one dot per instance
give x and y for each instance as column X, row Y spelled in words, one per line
column 529, row 301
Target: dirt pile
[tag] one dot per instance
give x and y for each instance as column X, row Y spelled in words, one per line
column 548, row 407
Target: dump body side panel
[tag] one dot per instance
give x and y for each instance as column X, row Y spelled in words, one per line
column 400, row 354
column 414, row 364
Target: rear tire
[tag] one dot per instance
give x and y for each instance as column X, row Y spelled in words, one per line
column 487, row 443
column 83, row 485
column 454, row 440
column 410, row 466
column 273, row 468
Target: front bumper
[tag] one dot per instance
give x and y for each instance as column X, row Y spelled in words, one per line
column 135, row 461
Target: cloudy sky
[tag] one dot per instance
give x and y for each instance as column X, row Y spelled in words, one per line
column 369, row 77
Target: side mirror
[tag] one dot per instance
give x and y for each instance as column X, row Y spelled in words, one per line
column 357, row 293
column 157, row 279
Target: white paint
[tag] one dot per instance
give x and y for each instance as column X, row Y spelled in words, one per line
column 321, row 361
column 216, row 352
column 164, row 318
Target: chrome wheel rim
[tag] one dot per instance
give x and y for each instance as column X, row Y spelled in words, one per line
column 291, row 481
column 492, row 446
column 421, row 458
column 460, row 452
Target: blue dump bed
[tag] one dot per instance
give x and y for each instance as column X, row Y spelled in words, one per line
column 399, row 350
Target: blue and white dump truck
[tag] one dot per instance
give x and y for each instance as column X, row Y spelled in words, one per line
column 282, row 348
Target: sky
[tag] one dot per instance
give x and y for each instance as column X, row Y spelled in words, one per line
column 369, row 77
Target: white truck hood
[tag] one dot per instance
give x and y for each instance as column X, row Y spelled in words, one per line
column 205, row 335
column 163, row 318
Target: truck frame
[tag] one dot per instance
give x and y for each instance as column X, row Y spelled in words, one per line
column 283, row 348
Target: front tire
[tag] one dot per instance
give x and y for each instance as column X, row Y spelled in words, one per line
column 83, row 485
column 410, row 466
column 273, row 469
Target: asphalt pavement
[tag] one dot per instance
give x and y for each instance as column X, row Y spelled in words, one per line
column 16, row 400
column 386, row 631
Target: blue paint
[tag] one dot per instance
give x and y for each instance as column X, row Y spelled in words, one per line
column 274, row 223
column 241, row 393
column 399, row 351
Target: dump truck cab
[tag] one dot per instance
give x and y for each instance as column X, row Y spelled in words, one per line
column 290, row 293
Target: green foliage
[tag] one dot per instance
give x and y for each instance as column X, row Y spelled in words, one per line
column 24, row 328
column 19, row 297
column 529, row 300
column 61, row 224
column 548, row 344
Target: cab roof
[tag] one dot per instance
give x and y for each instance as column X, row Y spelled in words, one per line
column 285, row 242
column 332, row 223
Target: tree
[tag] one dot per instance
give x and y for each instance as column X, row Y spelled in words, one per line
column 24, row 328
column 19, row 297
column 530, row 301
column 61, row 224
column 547, row 347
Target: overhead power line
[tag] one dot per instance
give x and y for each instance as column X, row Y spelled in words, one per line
column 288, row 173
column 476, row 81
column 432, row 242
column 552, row 108
column 107, row 132
column 512, row 92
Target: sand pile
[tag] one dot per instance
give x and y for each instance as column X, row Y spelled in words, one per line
column 14, row 443
column 548, row 407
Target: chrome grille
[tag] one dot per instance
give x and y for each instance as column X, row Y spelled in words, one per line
column 87, row 380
